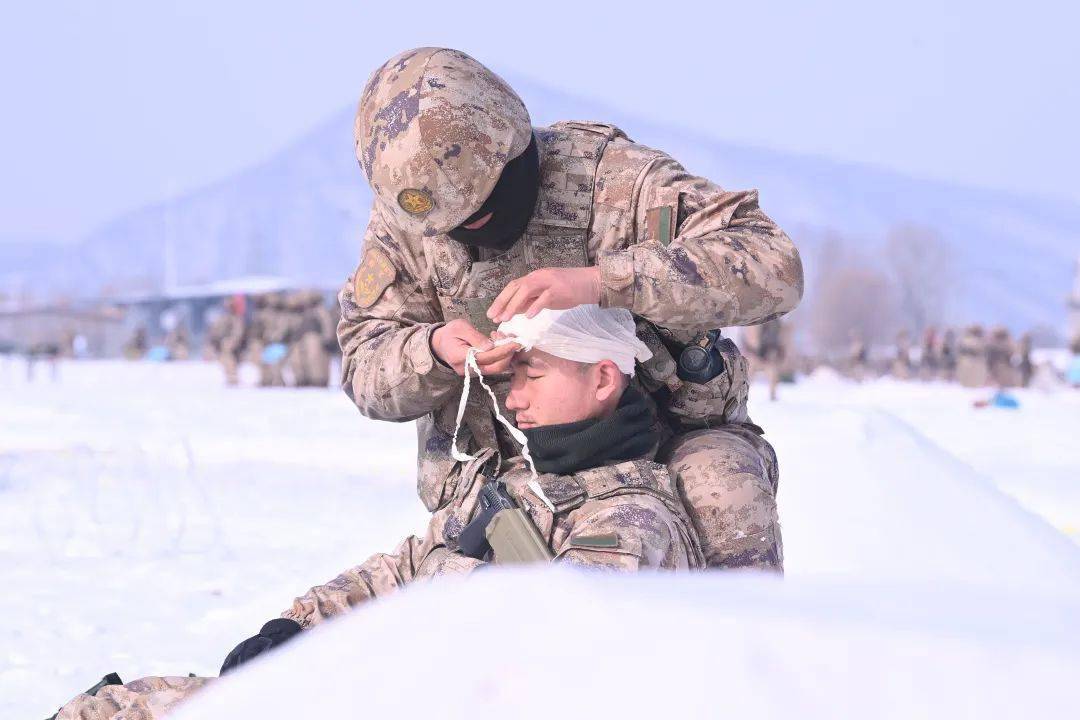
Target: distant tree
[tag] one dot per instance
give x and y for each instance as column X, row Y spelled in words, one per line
column 920, row 262
column 851, row 296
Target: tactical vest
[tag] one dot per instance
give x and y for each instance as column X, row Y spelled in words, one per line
column 565, row 493
column 468, row 280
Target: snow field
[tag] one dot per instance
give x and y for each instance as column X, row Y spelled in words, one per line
column 533, row 644
column 150, row 519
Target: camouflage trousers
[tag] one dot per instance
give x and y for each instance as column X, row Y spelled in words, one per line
column 230, row 363
column 727, row 477
column 149, row 698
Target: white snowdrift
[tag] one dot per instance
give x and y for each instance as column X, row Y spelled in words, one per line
column 863, row 494
column 556, row 643
column 151, row 518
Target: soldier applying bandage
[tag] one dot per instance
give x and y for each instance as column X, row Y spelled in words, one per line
column 479, row 216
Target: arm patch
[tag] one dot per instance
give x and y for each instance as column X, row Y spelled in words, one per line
column 373, row 276
column 660, row 225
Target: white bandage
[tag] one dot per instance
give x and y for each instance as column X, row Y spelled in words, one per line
column 586, row 333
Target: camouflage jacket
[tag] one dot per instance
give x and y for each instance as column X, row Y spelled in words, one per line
column 227, row 333
column 622, row 517
column 673, row 248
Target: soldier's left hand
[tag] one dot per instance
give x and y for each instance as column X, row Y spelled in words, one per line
column 550, row 288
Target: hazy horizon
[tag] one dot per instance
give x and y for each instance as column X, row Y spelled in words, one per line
column 121, row 104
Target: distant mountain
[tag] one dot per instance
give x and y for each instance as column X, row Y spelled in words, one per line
column 301, row 215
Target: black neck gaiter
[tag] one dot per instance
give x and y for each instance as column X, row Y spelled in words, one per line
column 511, row 203
column 626, row 434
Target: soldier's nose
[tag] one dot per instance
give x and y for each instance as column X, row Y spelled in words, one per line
column 514, row 402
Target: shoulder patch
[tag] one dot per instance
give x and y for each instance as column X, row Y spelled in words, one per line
column 373, row 276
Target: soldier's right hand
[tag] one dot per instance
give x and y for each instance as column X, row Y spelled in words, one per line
column 451, row 343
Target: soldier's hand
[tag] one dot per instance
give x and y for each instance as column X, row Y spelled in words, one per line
column 451, row 343
column 497, row 360
column 547, row 288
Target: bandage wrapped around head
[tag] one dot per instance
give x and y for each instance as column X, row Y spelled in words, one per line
column 586, row 334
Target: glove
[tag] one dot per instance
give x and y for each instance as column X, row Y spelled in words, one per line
column 274, row 633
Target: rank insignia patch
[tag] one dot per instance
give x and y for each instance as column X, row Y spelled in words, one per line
column 372, row 277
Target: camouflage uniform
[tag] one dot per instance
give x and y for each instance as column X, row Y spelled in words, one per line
column 270, row 325
column 255, row 342
column 145, row 699
column 619, row 517
column 177, row 343
column 433, row 131
column 226, row 337
column 137, row 346
column 999, row 358
column 625, row 516
column 971, row 367
column 901, row 365
column 312, row 337
column 930, row 356
column 1025, row 368
column 948, row 355
column 858, row 355
column 767, row 345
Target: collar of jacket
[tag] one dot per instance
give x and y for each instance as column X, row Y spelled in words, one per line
column 626, row 434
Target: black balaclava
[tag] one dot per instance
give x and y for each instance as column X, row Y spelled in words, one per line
column 511, row 203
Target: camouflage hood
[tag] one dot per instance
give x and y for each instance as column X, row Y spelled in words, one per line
column 433, row 132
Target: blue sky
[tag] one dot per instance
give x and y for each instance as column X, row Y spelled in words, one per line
column 116, row 103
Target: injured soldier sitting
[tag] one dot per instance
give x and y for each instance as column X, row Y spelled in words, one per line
column 584, row 490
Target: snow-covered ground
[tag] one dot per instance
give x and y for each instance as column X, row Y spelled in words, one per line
column 150, row 518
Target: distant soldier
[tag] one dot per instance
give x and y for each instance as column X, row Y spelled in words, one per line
column 292, row 316
column 178, row 344
column 136, row 347
column 857, row 357
column 313, row 339
column 275, row 336
column 930, row 355
column 901, row 365
column 67, row 343
column 948, row 355
column 999, row 358
column 765, row 346
column 971, row 368
column 226, row 336
column 46, row 350
column 1025, row 366
column 255, row 343
column 1072, row 373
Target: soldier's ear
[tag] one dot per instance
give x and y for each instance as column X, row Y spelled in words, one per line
column 609, row 381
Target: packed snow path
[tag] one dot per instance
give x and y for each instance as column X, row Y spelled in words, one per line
column 151, row 518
